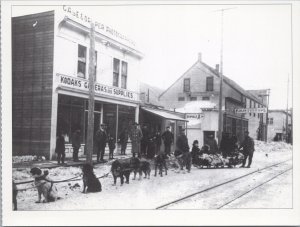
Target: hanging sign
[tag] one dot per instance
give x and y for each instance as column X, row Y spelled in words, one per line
column 251, row 110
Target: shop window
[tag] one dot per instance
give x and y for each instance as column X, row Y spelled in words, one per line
column 180, row 98
column 270, row 120
column 193, row 98
column 81, row 66
column 70, row 116
column 116, row 72
column 124, row 75
column 209, row 83
column 186, row 85
column 205, row 98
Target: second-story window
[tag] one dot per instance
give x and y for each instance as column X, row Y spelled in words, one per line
column 81, row 66
column 116, row 72
column 250, row 106
column 209, row 83
column 186, row 85
column 193, row 98
column 124, row 75
column 205, row 98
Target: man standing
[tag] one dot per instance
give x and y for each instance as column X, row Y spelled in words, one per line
column 145, row 140
column 248, row 149
column 168, row 139
column 60, row 148
column 76, row 144
column 135, row 137
column 123, row 140
column 101, row 139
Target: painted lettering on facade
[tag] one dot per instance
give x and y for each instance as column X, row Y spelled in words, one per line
column 100, row 27
column 82, row 84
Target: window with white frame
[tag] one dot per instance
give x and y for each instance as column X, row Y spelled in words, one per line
column 124, row 75
column 81, row 63
column 116, row 72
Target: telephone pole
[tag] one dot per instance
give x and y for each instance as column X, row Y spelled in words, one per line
column 220, row 123
column 90, row 129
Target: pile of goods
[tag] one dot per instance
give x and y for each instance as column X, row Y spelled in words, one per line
column 216, row 161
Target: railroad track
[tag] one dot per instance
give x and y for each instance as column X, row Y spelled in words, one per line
column 266, row 170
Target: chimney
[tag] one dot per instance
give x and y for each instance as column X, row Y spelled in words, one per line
column 217, row 68
column 199, row 57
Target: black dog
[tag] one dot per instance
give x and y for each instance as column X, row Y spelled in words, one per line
column 160, row 163
column 144, row 167
column 15, row 193
column 123, row 167
column 90, row 182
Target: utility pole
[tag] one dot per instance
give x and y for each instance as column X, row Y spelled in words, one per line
column 90, row 129
column 220, row 123
column 287, row 111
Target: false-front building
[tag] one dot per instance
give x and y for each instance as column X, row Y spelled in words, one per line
column 50, row 60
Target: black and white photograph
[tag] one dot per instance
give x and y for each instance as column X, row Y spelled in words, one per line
column 150, row 112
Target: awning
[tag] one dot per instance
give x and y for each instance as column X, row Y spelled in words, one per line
column 164, row 114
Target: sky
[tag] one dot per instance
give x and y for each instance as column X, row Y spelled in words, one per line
column 256, row 41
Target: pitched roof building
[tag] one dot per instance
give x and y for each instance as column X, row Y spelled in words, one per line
column 201, row 83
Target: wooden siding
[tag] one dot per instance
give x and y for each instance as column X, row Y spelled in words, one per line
column 32, row 78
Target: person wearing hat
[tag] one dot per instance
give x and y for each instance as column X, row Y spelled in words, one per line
column 76, row 144
column 168, row 138
column 195, row 151
column 135, row 137
column 101, row 139
column 248, row 149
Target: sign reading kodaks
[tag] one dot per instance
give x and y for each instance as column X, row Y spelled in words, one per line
column 194, row 115
column 82, row 84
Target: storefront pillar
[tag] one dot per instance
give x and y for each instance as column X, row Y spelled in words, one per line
column 137, row 112
column 53, row 125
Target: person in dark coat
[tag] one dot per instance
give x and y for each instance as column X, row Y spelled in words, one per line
column 101, row 139
column 135, row 137
column 168, row 139
column 182, row 142
column 248, row 149
column 124, row 140
column 151, row 147
column 195, row 151
column 111, row 146
column 60, row 148
column 76, row 144
column 145, row 140
column 212, row 143
column 225, row 145
column 157, row 141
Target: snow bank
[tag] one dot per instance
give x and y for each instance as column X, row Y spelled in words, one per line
column 267, row 147
column 27, row 158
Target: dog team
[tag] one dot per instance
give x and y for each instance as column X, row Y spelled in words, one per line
column 122, row 168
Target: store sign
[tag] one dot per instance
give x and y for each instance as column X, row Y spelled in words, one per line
column 100, row 27
column 194, row 116
column 251, row 110
column 82, row 84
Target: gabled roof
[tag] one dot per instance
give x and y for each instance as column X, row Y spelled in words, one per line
column 226, row 80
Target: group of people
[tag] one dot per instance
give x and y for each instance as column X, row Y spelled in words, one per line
column 148, row 144
column 228, row 146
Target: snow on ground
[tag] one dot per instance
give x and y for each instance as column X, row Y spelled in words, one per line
column 144, row 194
